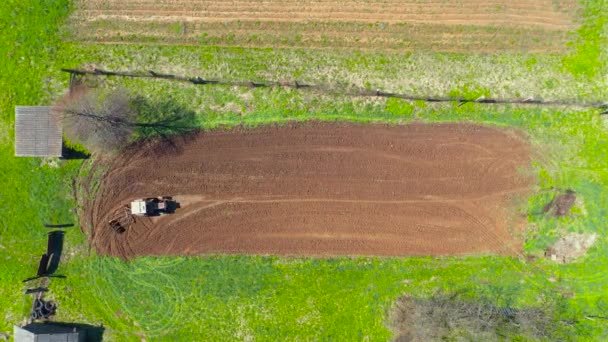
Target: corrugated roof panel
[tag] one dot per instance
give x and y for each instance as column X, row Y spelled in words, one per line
column 38, row 132
column 48, row 332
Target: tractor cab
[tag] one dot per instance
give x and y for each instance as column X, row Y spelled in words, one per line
column 139, row 208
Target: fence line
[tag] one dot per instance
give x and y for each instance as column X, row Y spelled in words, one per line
column 75, row 74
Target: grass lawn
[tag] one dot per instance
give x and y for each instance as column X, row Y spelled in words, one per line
column 270, row 298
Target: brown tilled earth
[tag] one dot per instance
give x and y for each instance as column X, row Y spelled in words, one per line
column 321, row 189
column 511, row 25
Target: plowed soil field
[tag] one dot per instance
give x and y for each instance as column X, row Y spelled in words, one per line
column 321, row 189
column 521, row 25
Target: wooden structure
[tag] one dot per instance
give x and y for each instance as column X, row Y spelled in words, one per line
column 38, row 132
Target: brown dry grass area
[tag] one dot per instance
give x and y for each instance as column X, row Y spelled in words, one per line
column 524, row 25
column 321, row 189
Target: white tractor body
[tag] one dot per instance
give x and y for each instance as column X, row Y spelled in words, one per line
column 139, row 208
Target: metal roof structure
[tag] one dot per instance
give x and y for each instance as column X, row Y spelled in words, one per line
column 38, row 132
column 48, row 332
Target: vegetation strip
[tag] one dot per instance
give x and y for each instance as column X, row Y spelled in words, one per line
column 327, row 89
column 270, row 298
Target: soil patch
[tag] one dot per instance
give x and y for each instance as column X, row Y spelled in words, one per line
column 321, row 189
column 570, row 247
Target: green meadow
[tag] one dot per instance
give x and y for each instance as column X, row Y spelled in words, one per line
column 220, row 298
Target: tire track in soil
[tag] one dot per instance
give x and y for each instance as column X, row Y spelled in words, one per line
column 322, row 189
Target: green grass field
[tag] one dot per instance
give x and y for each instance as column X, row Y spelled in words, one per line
column 219, row 298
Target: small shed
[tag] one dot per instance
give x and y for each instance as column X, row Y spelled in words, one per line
column 38, row 132
column 48, row 332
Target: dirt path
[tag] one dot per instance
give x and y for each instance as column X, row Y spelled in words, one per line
column 322, row 189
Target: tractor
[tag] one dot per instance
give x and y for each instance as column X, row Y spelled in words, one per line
column 153, row 206
column 150, row 206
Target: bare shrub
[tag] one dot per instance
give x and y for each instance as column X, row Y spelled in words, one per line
column 101, row 121
column 106, row 120
column 450, row 318
column 561, row 204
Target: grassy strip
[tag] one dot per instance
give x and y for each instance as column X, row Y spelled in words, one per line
column 588, row 59
column 268, row 298
column 422, row 73
column 32, row 192
column 265, row 297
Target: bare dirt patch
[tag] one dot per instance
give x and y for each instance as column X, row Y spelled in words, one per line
column 523, row 25
column 321, row 189
column 570, row 247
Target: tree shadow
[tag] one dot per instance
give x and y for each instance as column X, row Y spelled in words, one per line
column 70, row 153
column 166, row 124
column 163, row 119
